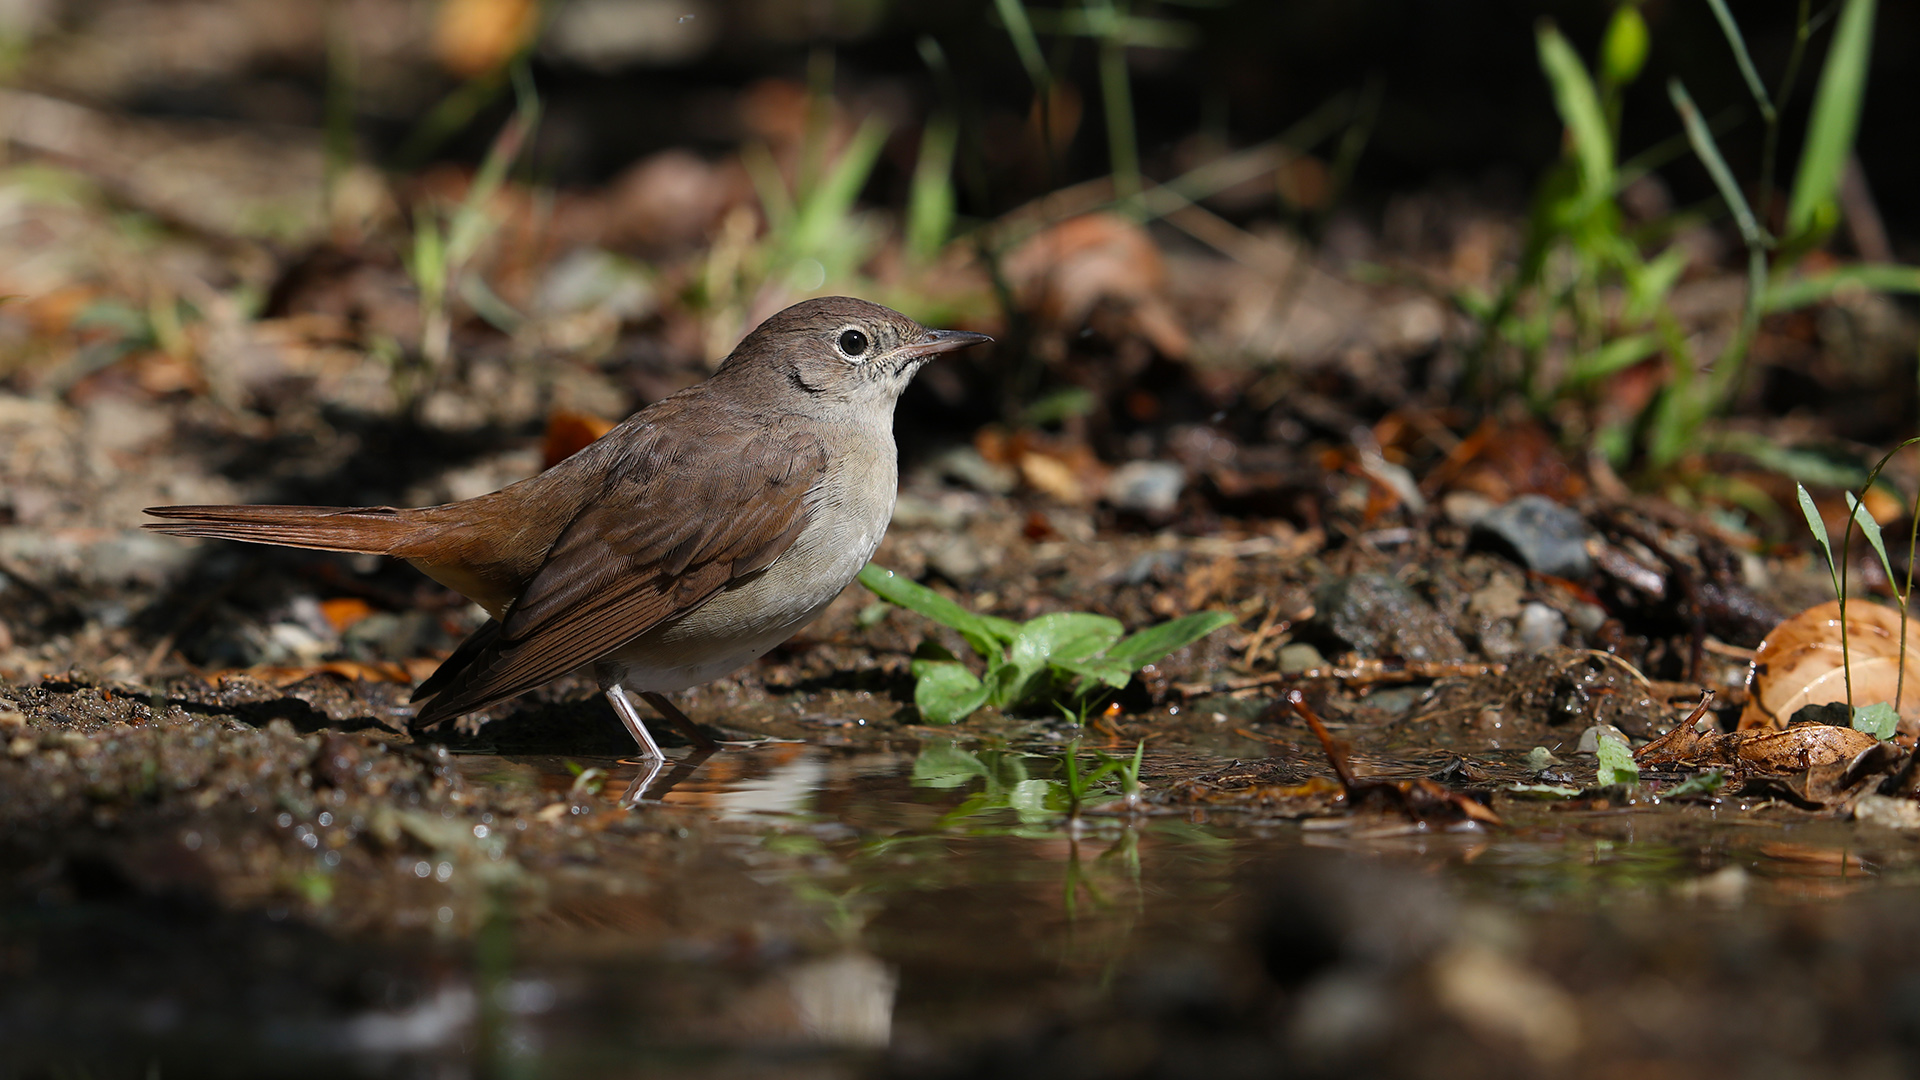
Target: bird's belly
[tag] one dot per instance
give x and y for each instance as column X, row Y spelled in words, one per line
column 747, row 618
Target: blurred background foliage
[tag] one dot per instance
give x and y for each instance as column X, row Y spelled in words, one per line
column 1508, row 205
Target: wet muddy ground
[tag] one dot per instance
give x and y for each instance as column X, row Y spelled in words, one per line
column 265, row 872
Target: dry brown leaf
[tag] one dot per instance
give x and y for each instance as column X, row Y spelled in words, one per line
column 1801, row 746
column 1799, row 664
column 343, row 611
column 568, row 433
column 1065, row 270
column 1793, row 749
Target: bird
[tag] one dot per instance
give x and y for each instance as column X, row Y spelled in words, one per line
column 685, row 543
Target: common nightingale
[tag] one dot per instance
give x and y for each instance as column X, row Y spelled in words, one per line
column 689, row 540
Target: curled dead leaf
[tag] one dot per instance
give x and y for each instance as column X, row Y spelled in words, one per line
column 1754, row 751
column 1799, row 664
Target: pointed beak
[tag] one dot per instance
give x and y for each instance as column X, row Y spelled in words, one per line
column 935, row 342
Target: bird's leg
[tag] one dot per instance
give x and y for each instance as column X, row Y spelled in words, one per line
column 630, row 716
column 679, row 719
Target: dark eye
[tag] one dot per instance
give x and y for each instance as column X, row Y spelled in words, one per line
column 853, row 342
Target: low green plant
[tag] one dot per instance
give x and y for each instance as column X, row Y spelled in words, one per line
column 1558, row 315
column 1064, row 658
column 445, row 240
column 1617, row 767
column 1879, row 718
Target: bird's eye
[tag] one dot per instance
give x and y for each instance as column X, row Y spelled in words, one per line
column 853, row 342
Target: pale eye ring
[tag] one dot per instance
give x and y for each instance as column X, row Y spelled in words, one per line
column 853, row 343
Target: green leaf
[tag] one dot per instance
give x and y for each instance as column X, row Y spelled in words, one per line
column 1579, row 105
column 946, row 692
column 1005, row 684
column 1623, row 52
column 1155, row 642
column 1102, row 669
column 1816, row 524
column 1871, row 530
column 1617, row 766
column 1797, row 463
column 946, row 767
column 1877, row 719
column 988, row 635
column 1615, row 355
column 1836, row 118
column 1878, row 277
column 1703, row 783
column 1709, row 152
column 1066, row 635
column 1649, row 283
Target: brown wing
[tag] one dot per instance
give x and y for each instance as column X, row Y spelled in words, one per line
column 683, row 514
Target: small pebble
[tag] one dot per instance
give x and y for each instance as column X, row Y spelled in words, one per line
column 1299, row 657
column 1147, row 487
column 1541, row 628
column 1590, row 738
column 1887, row 812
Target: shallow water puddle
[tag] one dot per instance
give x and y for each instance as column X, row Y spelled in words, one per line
column 926, row 908
column 915, row 898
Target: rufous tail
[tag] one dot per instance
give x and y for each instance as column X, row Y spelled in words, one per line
column 373, row 530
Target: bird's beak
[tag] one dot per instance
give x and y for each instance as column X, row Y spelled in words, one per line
column 934, row 342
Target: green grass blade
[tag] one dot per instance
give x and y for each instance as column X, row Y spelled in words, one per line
column 1709, row 152
column 1116, row 95
column 1879, row 277
column 1025, row 43
column 1615, row 355
column 1741, row 57
column 930, row 203
column 776, row 202
column 1836, row 119
column 824, row 212
column 1816, row 524
column 1580, row 110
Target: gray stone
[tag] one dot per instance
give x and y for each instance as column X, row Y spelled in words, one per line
column 1541, row 534
column 964, row 464
column 1146, row 487
column 959, row 560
